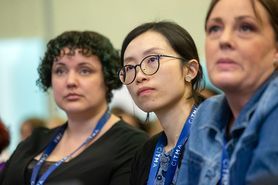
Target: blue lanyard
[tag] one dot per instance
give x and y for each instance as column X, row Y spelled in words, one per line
column 224, row 177
column 176, row 152
column 54, row 143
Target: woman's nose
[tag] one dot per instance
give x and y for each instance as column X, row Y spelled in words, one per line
column 72, row 79
column 226, row 39
column 140, row 76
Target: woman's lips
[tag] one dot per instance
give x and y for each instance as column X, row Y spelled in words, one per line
column 144, row 90
column 72, row 96
column 226, row 63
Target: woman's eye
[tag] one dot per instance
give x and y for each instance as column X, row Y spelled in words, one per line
column 246, row 27
column 213, row 29
column 85, row 71
column 152, row 59
column 60, row 71
column 128, row 68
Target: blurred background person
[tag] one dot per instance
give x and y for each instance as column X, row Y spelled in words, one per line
column 152, row 127
column 4, row 143
column 129, row 118
column 55, row 122
column 29, row 124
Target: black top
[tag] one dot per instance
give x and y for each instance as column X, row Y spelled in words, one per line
column 105, row 162
column 142, row 162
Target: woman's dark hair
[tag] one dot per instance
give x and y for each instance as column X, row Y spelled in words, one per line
column 179, row 39
column 271, row 6
column 4, row 136
column 90, row 43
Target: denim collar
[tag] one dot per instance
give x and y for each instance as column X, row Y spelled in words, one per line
column 222, row 112
column 218, row 115
column 246, row 113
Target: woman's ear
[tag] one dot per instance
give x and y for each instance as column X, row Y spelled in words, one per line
column 191, row 70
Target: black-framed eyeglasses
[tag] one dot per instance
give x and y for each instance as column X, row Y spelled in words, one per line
column 149, row 66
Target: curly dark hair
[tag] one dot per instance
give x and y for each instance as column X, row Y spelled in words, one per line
column 90, row 43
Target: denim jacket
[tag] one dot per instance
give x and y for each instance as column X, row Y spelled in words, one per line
column 252, row 149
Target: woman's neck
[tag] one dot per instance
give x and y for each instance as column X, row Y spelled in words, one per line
column 79, row 124
column 172, row 121
column 236, row 103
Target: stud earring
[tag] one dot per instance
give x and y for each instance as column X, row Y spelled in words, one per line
column 188, row 78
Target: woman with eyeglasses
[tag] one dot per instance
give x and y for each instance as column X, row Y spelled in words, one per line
column 162, row 72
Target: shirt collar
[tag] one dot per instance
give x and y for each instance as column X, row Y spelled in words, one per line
column 222, row 113
column 249, row 108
